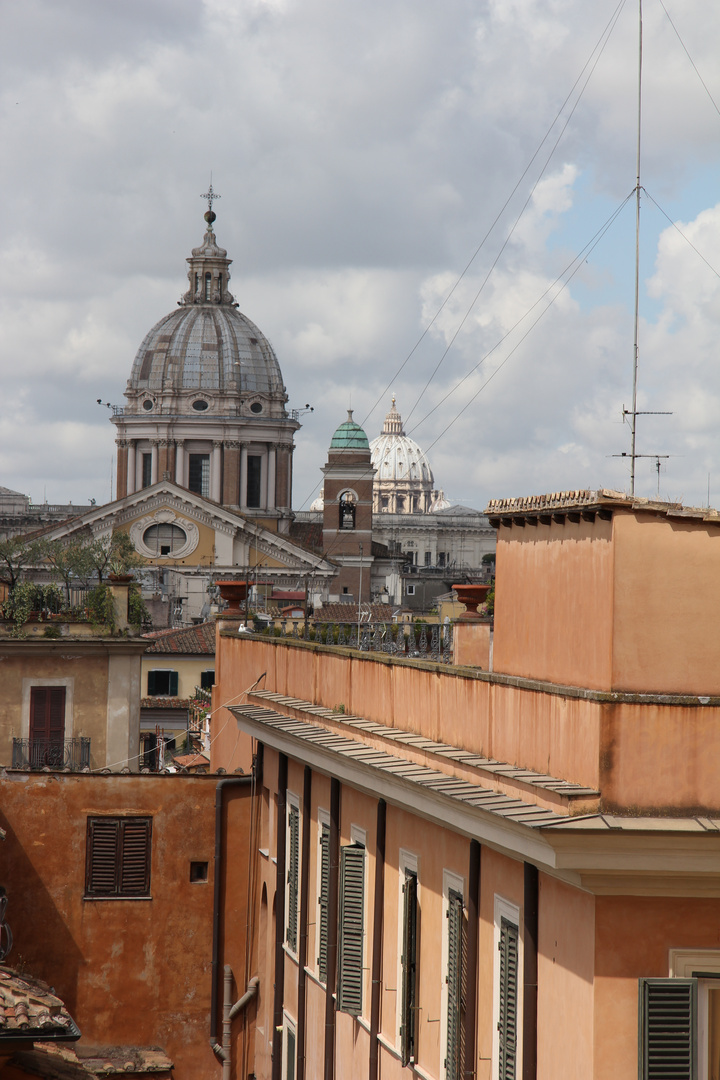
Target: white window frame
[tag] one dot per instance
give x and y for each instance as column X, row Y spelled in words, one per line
column 289, row 1025
column 323, row 818
column 451, row 883
column 682, row 964
column 292, row 800
column 504, row 909
column 407, row 860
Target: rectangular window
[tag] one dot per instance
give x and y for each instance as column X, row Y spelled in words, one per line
column 408, row 963
column 254, row 472
column 117, row 864
column 47, row 714
column 324, row 901
column 668, row 1047
column 293, row 874
column 351, row 929
column 508, row 1010
column 454, row 1069
column 146, row 470
column 162, row 683
column 207, row 680
column 199, row 474
column 289, row 1057
column 441, row 558
column 428, row 558
column 410, row 590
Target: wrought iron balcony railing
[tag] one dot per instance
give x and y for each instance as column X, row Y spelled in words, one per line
column 73, row 754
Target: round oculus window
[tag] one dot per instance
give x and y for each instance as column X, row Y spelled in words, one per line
column 256, row 407
column 164, row 539
column 200, row 405
column 147, row 404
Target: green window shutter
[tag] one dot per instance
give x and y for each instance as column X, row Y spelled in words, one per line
column 351, row 918
column 668, row 1029
column 324, row 901
column 409, row 968
column 454, row 980
column 292, row 875
column 507, row 1023
column 173, row 684
column 151, row 683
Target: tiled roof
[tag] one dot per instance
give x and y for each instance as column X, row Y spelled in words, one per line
column 585, row 499
column 29, row 1009
column 189, row 641
column 348, row 613
column 191, row 761
column 81, row 1062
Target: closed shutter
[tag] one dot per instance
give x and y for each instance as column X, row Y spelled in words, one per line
column 47, row 714
column 151, row 684
column 324, row 901
column 292, row 876
column 350, row 944
column 118, row 857
column 173, row 683
column 507, row 1022
column 409, row 968
column 454, row 980
column 668, row 1029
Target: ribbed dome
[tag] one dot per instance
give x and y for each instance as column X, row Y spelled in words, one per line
column 396, row 456
column 206, row 347
column 349, row 436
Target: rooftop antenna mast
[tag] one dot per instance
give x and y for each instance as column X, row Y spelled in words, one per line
column 633, row 412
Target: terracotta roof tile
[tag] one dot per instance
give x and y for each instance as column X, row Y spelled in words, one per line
column 29, row 1009
column 188, row 641
column 348, row 613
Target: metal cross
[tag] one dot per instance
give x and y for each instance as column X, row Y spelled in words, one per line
column 210, row 195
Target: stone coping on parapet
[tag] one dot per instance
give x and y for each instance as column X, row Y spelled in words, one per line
column 557, row 794
column 519, row 682
column 587, row 503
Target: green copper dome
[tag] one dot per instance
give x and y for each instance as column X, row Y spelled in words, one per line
column 349, row 436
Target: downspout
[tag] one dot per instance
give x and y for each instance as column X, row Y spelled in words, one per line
column 377, row 938
column 530, row 971
column 230, row 1011
column 329, row 1070
column 280, row 828
column 472, row 958
column 217, row 867
column 302, row 951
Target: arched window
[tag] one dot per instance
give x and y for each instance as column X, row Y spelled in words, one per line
column 347, row 510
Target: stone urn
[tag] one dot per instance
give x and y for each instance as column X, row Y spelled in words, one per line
column 471, row 596
column 234, row 593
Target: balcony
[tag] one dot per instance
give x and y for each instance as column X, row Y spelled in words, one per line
column 38, row 754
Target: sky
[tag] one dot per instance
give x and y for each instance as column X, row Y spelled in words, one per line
column 431, row 200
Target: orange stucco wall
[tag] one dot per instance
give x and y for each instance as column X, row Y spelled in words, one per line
column 553, row 602
column 132, row 972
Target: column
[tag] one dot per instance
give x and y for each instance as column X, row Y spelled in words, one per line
column 216, row 472
column 270, row 496
column 180, row 463
column 231, row 474
column 153, row 461
column 122, row 463
column 243, row 475
column 282, row 498
column 131, row 468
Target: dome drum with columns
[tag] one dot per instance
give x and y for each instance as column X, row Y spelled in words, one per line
column 206, row 402
column 404, row 482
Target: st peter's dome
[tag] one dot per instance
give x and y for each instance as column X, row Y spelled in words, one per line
column 403, row 479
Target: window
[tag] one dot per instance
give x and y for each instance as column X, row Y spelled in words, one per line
column 441, row 558
column 207, row 679
column 207, row 288
column 293, row 872
column 254, row 471
column 454, row 1067
column 164, row 539
column 290, row 1041
column 428, row 558
column 118, row 858
column 408, row 963
column 200, row 405
column 323, row 899
column 507, row 1004
column 351, row 929
column 256, row 407
column 199, row 474
column 146, row 470
column 47, row 714
column 668, row 1029
column 410, row 590
column 347, row 510
column 162, row 683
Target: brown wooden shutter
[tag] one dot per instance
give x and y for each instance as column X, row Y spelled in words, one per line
column 103, row 845
column 134, row 878
column 668, row 1029
column 118, row 857
column 47, row 713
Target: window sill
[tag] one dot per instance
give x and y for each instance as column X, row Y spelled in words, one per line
column 289, row 953
column 104, row 899
column 314, row 977
column 265, row 852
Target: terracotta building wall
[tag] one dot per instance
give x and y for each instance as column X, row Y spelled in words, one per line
column 132, row 972
column 554, row 602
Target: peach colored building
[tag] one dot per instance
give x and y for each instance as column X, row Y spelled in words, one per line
column 507, row 873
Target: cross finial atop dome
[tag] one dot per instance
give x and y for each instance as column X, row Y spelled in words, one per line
column 393, row 421
column 210, row 214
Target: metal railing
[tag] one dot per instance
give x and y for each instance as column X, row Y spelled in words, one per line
column 426, row 641
column 36, row 754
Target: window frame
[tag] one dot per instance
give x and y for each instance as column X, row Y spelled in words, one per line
column 129, row 849
column 510, row 913
column 453, row 885
column 171, row 682
column 704, row 966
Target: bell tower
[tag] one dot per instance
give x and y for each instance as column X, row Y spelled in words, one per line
column 347, row 514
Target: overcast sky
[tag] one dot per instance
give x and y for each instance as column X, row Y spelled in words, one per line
column 364, row 151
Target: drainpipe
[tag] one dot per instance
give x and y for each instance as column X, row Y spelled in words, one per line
column 472, row 948
column 217, row 868
column 377, row 938
column 329, row 1070
column 280, row 827
column 229, row 1013
column 530, row 971
column 302, row 952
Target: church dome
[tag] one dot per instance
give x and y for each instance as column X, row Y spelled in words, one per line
column 403, row 478
column 349, row 436
column 206, row 347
